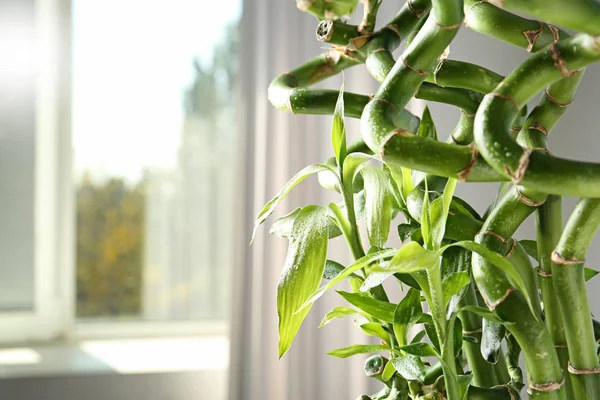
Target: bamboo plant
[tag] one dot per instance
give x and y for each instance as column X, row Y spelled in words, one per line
column 476, row 300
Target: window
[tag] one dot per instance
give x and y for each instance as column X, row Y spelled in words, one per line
column 129, row 138
column 153, row 112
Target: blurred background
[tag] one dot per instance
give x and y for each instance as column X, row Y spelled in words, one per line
column 136, row 146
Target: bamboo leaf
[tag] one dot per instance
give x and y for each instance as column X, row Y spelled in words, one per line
column 491, row 340
column 501, row 263
column 453, row 284
column 268, row 209
column 426, row 220
column 411, row 257
column 374, row 279
column 351, row 167
column 426, row 130
column 358, row 349
column 349, row 270
column 418, row 337
column 427, row 126
column 410, row 367
column 337, row 312
column 381, row 310
column 485, row 313
column 282, row 227
column 388, row 372
column 405, row 230
column 407, row 313
column 433, row 337
column 439, row 213
column 530, row 247
column 395, row 189
column 379, row 202
column 409, row 310
column 302, row 271
column 333, row 269
column 375, row 329
column 420, row 349
column 589, row 273
column 338, row 130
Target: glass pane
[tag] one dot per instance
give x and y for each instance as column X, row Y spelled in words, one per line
column 152, row 125
column 17, row 155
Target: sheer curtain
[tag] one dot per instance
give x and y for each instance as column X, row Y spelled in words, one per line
column 276, row 37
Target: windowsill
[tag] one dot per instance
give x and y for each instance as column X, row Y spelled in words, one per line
column 117, row 357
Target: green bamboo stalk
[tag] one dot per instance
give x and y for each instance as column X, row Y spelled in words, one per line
column 549, row 228
column 483, row 17
column 579, row 15
column 336, row 32
column 569, row 284
column 536, row 169
column 546, row 376
column 483, row 372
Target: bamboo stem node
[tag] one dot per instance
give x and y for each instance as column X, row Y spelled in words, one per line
column 557, row 259
column 415, row 70
column 586, row 371
column 556, row 102
column 548, row 386
column 526, row 200
column 464, row 174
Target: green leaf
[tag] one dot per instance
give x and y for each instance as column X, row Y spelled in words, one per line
column 282, row 227
column 426, row 220
column 427, row 127
column 395, row 189
column 501, row 263
column 411, row 257
column 374, row 279
column 375, row 329
column 439, row 213
column 410, row 367
column 589, row 273
column 357, row 265
column 485, row 313
column 388, row 372
column 358, row 349
column 379, row 202
column 407, row 313
column 407, row 182
column 457, row 335
column 268, row 209
column 338, row 130
column 425, row 319
column 405, row 230
column 333, row 269
column 337, row 312
column 420, row 349
column 302, row 271
column 418, row 337
column 453, row 284
column 492, row 334
column 381, row 310
column 351, row 167
column 530, row 247
column 433, row 337
column 409, row 310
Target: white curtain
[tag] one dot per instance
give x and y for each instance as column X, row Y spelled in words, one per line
column 275, row 38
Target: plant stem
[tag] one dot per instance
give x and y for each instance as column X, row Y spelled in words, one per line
column 536, row 169
column 501, row 297
column 580, row 15
column 483, row 372
column 569, row 284
column 549, row 228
